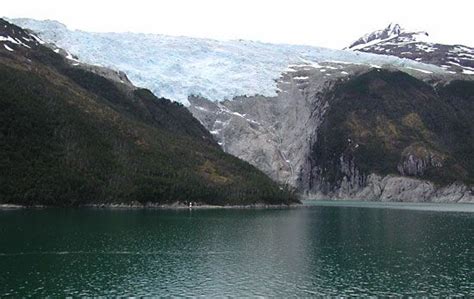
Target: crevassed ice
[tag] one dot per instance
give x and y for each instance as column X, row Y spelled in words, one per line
column 176, row 67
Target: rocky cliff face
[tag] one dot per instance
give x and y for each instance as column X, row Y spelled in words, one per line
column 275, row 133
column 355, row 185
column 338, row 131
column 396, row 188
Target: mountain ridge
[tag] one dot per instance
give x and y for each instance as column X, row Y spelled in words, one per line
column 72, row 137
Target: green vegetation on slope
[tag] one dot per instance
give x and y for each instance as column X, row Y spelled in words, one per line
column 71, row 137
column 379, row 119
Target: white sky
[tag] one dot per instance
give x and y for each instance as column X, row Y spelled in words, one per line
column 330, row 23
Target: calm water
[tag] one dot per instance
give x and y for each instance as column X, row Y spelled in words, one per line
column 350, row 249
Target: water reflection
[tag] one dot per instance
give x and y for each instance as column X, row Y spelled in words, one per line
column 305, row 251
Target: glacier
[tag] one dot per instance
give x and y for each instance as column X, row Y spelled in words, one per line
column 177, row 67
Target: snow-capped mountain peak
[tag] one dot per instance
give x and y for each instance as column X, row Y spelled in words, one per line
column 394, row 28
column 418, row 46
column 392, row 32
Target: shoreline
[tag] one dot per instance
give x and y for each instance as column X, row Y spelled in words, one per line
column 182, row 206
column 152, row 206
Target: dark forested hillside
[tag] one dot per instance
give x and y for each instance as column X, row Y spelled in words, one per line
column 69, row 136
column 387, row 122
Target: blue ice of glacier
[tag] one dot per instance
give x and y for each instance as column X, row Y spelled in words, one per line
column 176, row 67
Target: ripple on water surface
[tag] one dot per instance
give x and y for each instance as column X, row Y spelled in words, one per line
column 318, row 250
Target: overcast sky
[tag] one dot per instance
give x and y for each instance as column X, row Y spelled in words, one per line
column 331, row 23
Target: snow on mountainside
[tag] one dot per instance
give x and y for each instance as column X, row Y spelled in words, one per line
column 417, row 45
column 176, row 67
column 392, row 31
column 14, row 39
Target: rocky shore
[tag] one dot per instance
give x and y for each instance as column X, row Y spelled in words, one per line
column 396, row 189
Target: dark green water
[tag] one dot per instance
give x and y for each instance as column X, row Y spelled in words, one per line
column 322, row 249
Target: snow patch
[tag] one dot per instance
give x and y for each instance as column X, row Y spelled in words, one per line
column 13, row 41
column 419, row 70
column 70, row 57
column 39, row 40
column 8, row 48
column 201, row 108
column 425, row 48
column 8, row 39
column 371, row 43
